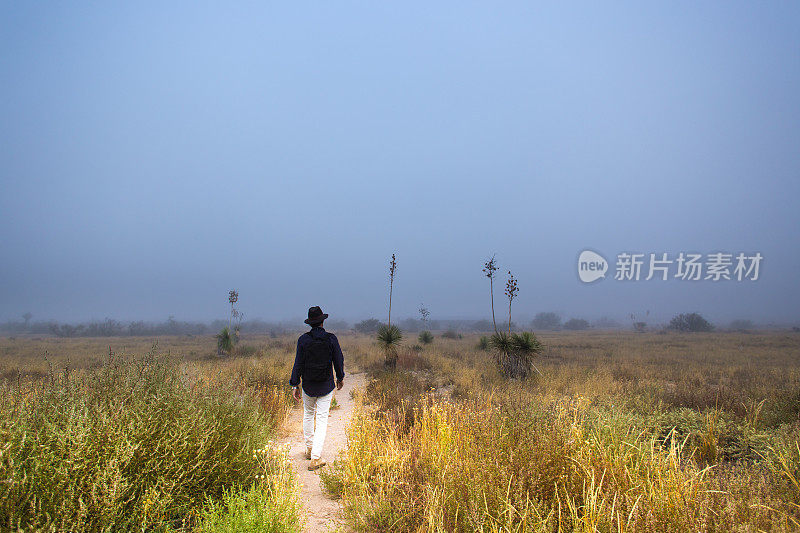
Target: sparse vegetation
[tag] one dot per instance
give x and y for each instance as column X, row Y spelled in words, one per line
column 617, row 433
column 616, row 428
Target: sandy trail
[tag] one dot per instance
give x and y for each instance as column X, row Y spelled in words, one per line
column 320, row 510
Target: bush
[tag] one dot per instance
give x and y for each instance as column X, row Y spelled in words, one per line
column 691, row 322
column 546, row 321
column 246, row 350
column 483, row 343
column 426, row 337
column 270, row 505
column 742, row 325
column 575, row 324
column 606, row 323
column 368, row 326
column 450, row 334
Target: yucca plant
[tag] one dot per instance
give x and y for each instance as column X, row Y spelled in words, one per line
column 524, row 347
column 426, row 337
column 389, row 338
column 224, row 341
column 515, row 353
column 501, row 341
column 526, row 343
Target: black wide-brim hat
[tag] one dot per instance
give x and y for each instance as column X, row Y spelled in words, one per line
column 315, row 316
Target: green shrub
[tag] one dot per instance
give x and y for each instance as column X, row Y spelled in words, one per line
column 270, row 505
column 691, row 322
column 575, row 324
column 368, row 326
column 546, row 321
column 483, row 343
column 426, row 337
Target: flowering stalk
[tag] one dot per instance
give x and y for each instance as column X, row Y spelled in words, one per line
column 489, row 268
column 392, row 268
column 511, row 291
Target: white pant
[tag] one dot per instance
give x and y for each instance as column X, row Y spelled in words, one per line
column 319, row 406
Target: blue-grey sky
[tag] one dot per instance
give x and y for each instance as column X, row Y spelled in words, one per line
column 155, row 155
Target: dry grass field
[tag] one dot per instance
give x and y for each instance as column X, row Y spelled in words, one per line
column 615, row 432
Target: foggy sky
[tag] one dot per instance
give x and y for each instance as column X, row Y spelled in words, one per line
column 154, row 156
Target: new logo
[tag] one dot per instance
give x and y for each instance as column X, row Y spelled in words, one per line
column 591, row 266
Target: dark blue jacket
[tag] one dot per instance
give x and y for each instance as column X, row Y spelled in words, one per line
column 317, row 388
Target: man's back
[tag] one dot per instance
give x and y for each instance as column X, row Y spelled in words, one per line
column 317, row 375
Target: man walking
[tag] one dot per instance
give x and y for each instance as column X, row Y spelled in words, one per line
column 317, row 350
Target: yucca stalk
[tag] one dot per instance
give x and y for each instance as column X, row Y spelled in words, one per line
column 389, row 336
column 489, row 268
column 424, row 314
column 233, row 297
column 392, row 268
column 511, row 292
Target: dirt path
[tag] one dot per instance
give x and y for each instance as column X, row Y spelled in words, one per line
column 321, row 512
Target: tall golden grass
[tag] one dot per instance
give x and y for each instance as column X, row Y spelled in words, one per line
column 620, row 432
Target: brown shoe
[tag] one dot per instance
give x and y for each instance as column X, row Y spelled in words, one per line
column 308, row 453
column 316, row 463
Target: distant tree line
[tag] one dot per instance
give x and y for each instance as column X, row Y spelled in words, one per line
column 139, row 328
column 545, row 321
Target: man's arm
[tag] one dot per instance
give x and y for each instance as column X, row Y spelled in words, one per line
column 297, row 369
column 338, row 358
